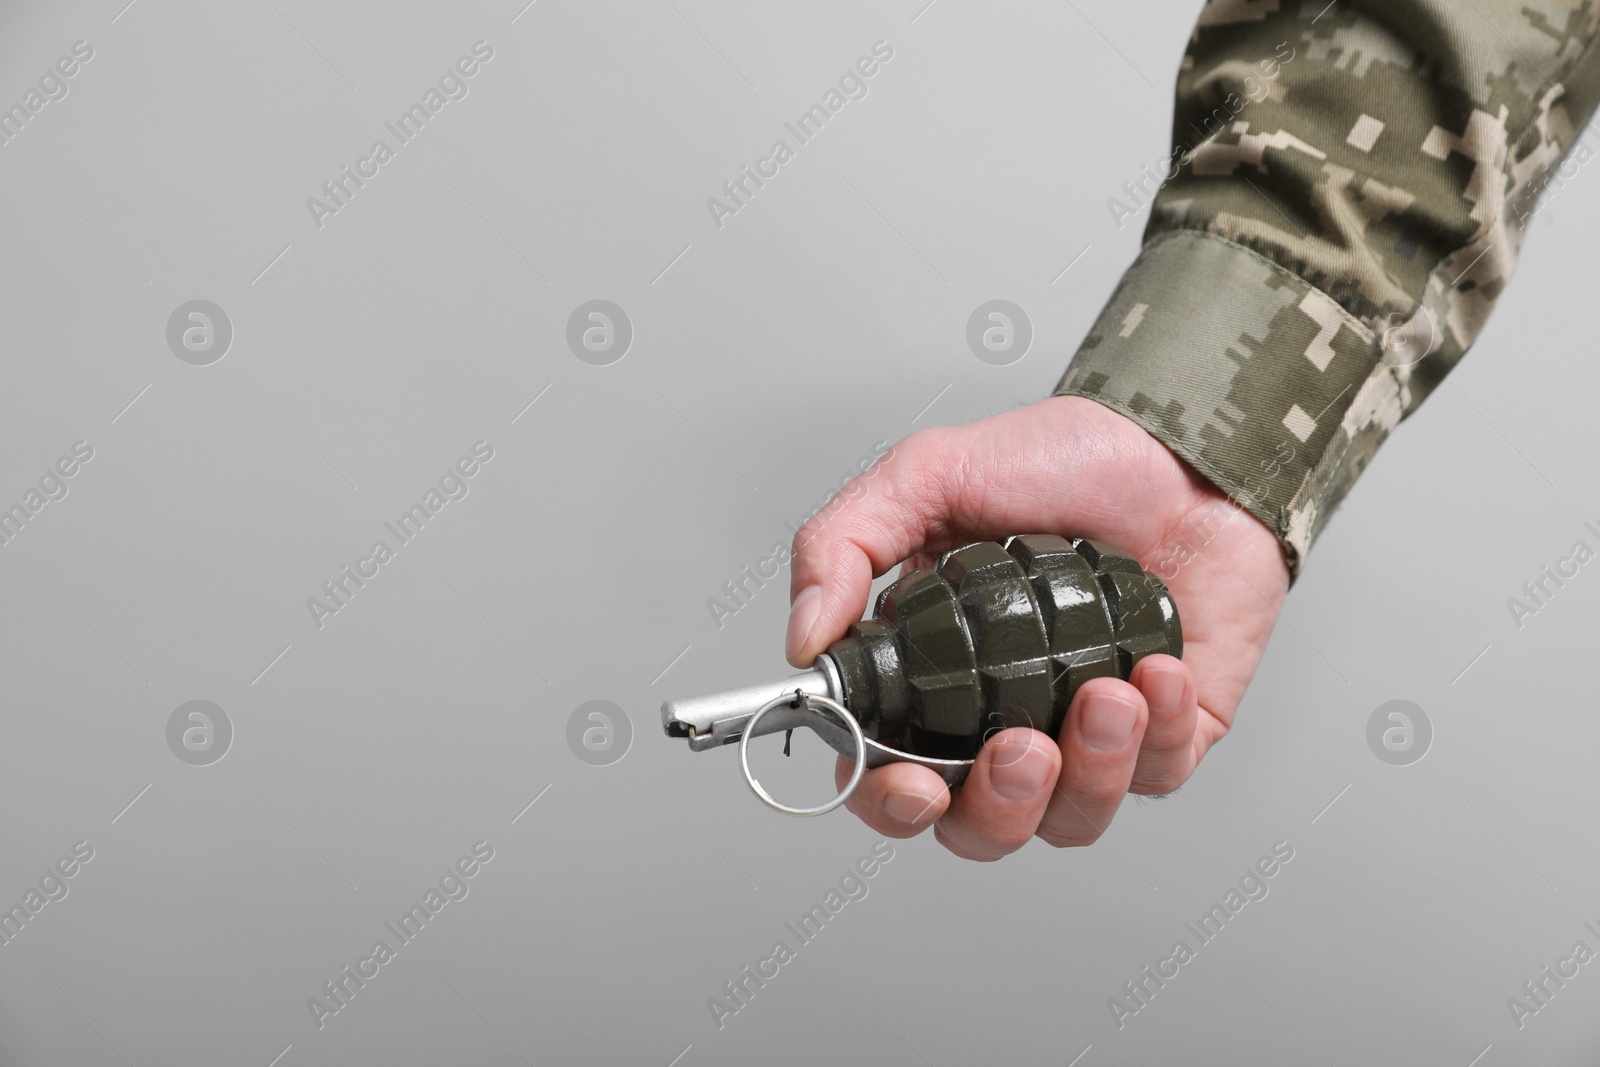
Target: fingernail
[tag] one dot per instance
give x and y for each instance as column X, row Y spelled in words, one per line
column 908, row 808
column 1106, row 722
column 1017, row 770
column 802, row 617
column 1164, row 690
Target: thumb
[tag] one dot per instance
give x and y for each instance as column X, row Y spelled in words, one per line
column 891, row 512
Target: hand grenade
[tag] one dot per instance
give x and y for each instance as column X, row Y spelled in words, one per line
column 997, row 634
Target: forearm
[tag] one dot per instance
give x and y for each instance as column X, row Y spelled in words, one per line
column 1347, row 205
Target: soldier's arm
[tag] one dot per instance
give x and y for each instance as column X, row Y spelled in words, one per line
column 1347, row 200
column 1376, row 184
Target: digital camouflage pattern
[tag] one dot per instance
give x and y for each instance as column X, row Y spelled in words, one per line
column 1345, row 204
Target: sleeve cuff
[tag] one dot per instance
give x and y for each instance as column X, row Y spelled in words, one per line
column 1259, row 380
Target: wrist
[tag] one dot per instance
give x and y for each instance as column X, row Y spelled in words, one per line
column 1189, row 513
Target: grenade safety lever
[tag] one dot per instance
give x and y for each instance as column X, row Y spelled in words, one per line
column 994, row 635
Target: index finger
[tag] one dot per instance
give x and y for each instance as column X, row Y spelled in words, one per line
column 877, row 520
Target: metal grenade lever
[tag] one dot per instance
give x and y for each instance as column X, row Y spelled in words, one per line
column 994, row 635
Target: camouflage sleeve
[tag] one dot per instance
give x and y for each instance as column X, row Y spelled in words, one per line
column 1344, row 204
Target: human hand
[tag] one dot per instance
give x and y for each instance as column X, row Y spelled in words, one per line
column 1070, row 466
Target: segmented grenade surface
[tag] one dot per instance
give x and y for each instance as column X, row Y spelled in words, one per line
column 1000, row 635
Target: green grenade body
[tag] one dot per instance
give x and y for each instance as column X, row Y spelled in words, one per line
column 999, row 635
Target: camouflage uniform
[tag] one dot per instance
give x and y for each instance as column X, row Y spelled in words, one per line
column 1346, row 200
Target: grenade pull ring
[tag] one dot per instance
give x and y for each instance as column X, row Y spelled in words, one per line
column 800, row 698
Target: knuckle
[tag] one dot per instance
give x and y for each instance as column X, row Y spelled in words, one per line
column 1009, row 841
column 1157, row 786
column 1157, row 779
column 957, row 849
column 1065, row 839
column 923, row 445
column 931, row 462
column 811, row 529
column 920, row 462
column 898, row 831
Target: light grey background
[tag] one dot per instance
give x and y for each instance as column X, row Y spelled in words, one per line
column 768, row 357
